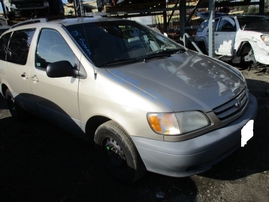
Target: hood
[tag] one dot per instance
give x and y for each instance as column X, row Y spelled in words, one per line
column 184, row 81
column 254, row 32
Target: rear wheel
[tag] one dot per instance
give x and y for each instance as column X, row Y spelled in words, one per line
column 16, row 112
column 119, row 155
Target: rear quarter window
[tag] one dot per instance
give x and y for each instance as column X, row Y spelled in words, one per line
column 4, row 45
column 19, row 45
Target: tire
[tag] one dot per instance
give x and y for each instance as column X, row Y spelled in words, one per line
column 119, row 155
column 253, row 63
column 17, row 113
column 247, row 51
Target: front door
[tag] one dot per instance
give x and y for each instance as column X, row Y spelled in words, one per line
column 56, row 98
column 224, row 36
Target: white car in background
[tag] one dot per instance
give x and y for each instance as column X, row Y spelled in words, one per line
column 242, row 38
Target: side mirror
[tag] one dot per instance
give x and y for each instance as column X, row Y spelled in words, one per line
column 61, row 69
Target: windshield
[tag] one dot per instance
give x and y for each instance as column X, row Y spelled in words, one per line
column 114, row 41
column 255, row 23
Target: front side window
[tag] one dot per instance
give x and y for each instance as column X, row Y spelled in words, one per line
column 19, row 46
column 227, row 25
column 111, row 42
column 51, row 48
column 4, row 40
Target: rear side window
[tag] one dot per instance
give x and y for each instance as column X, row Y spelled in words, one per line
column 19, row 46
column 4, row 40
column 51, row 48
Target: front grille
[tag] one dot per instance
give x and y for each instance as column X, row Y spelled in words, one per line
column 232, row 107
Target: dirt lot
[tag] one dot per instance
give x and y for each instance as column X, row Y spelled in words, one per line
column 40, row 162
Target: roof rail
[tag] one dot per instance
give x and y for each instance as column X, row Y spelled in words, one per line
column 31, row 21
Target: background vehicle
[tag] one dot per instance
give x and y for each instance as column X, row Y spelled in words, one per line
column 33, row 8
column 242, row 38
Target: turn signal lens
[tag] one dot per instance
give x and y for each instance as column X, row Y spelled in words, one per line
column 155, row 123
column 164, row 123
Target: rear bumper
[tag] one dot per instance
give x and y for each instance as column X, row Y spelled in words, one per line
column 196, row 155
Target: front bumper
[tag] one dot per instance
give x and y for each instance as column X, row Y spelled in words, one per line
column 196, row 155
column 261, row 54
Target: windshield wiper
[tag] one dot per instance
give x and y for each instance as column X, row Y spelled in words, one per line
column 120, row 62
column 164, row 53
column 156, row 54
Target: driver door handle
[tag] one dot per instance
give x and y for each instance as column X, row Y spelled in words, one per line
column 24, row 75
column 35, row 79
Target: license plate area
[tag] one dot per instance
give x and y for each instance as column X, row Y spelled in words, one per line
column 247, row 132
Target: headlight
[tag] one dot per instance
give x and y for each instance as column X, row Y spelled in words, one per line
column 265, row 39
column 177, row 123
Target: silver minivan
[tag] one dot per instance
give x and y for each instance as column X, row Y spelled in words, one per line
column 148, row 103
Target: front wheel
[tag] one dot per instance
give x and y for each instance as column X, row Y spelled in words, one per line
column 247, row 57
column 250, row 59
column 119, row 155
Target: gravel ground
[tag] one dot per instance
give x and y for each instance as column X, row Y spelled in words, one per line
column 41, row 162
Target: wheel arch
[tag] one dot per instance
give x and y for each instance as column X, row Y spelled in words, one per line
column 244, row 48
column 3, row 89
column 92, row 124
column 203, row 46
column 201, row 40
